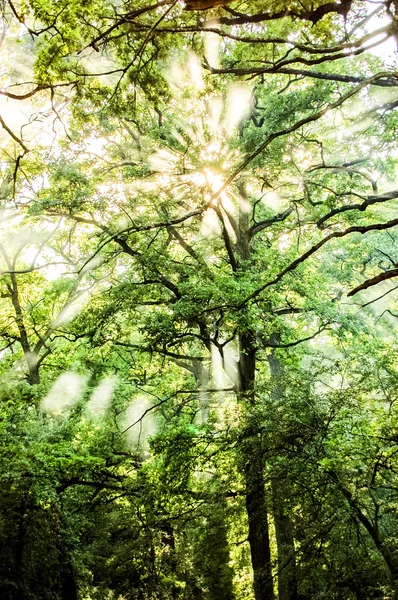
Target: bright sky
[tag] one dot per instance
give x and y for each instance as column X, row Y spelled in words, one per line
column 388, row 49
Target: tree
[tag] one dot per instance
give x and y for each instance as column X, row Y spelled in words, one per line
column 221, row 222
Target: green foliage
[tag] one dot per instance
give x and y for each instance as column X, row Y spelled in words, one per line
column 189, row 202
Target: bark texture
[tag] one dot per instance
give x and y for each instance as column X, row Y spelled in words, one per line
column 204, row 4
column 287, row 572
column 256, row 505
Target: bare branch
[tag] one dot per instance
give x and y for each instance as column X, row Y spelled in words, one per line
column 14, row 137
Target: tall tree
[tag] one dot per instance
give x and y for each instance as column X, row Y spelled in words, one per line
column 221, row 206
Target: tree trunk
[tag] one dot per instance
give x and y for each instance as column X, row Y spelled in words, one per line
column 68, row 583
column 287, row 573
column 287, row 576
column 67, row 578
column 256, row 506
column 258, row 526
column 251, row 449
column 33, row 377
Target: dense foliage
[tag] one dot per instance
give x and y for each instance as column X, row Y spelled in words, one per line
column 199, row 381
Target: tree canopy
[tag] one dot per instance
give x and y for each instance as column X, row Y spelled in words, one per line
column 199, row 271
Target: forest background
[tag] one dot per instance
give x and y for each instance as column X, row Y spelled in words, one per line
column 198, row 317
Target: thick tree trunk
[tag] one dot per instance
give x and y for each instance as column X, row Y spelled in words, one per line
column 258, row 526
column 33, row 377
column 251, row 450
column 287, row 573
column 287, row 576
column 68, row 583
column 256, row 505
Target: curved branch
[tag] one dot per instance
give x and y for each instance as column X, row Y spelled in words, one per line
column 126, row 19
column 305, row 121
column 268, row 222
column 340, row 8
column 361, row 207
column 386, row 81
column 39, row 88
column 336, row 234
column 14, row 137
column 269, row 344
column 390, row 274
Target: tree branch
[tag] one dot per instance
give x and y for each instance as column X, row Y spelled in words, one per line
column 361, row 207
column 14, row 137
column 390, row 274
column 336, row 234
column 268, row 222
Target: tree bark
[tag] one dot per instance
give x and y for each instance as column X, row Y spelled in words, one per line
column 68, row 583
column 287, row 572
column 251, row 449
column 256, row 505
column 30, row 357
column 258, row 526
